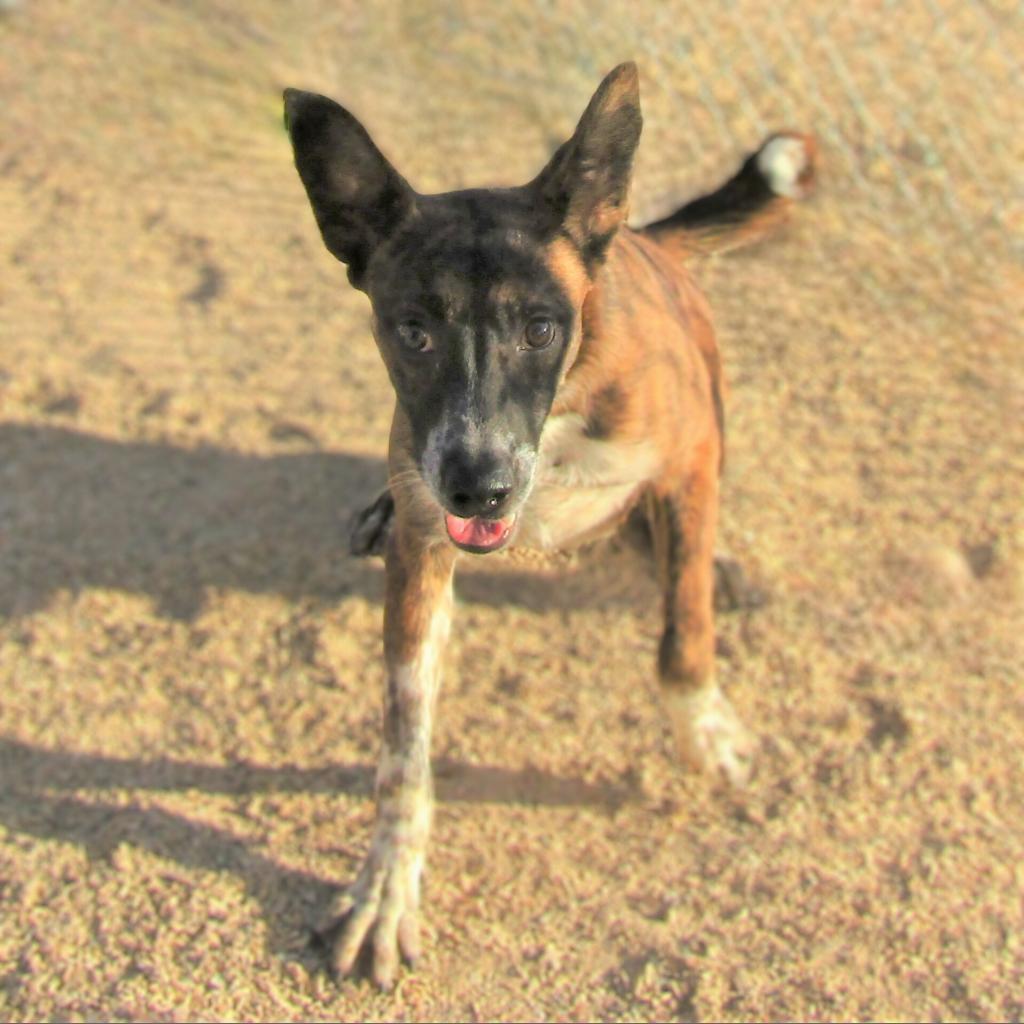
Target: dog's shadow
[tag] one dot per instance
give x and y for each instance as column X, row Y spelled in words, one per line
column 291, row 900
column 78, row 511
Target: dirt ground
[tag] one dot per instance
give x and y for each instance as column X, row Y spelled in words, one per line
column 191, row 407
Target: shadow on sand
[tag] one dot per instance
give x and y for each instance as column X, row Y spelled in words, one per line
column 79, row 511
column 290, row 900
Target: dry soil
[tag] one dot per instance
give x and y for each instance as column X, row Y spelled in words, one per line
column 191, row 406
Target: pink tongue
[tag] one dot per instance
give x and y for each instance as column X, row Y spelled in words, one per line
column 476, row 531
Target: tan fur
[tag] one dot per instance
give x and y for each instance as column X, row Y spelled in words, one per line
column 647, row 333
column 636, row 421
column 636, row 418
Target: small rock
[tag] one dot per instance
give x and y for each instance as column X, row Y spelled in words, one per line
column 981, row 558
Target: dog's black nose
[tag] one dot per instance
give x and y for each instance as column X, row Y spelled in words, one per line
column 481, row 487
column 482, row 501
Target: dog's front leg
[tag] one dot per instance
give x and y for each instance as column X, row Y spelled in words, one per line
column 380, row 910
column 683, row 514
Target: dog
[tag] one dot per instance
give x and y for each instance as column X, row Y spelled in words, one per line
column 555, row 371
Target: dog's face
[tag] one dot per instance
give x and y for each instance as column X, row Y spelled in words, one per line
column 476, row 295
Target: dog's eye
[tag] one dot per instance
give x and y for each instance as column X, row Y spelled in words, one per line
column 540, row 332
column 414, row 337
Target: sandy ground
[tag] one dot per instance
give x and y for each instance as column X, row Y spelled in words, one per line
column 191, row 407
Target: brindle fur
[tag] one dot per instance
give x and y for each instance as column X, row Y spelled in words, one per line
column 623, row 411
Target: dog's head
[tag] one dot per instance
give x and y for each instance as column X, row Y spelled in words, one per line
column 476, row 295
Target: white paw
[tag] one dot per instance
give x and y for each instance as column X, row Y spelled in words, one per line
column 379, row 913
column 710, row 735
column 787, row 163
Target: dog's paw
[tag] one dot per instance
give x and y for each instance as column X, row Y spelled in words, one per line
column 710, row 735
column 787, row 163
column 370, row 527
column 374, row 923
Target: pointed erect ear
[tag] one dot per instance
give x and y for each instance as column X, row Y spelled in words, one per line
column 585, row 186
column 357, row 196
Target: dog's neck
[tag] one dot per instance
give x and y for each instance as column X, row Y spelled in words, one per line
column 591, row 363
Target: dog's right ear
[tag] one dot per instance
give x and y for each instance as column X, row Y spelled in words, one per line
column 357, row 196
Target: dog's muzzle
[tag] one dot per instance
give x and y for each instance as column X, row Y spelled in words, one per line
column 479, row 494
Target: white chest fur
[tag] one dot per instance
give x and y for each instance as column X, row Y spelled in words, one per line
column 581, row 483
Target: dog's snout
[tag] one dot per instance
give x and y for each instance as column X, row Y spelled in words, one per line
column 483, row 501
column 476, row 487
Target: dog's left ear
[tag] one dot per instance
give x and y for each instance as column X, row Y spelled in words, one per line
column 585, row 186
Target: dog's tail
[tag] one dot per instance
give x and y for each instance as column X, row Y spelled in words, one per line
column 751, row 204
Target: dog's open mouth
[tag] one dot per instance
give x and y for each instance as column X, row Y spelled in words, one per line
column 477, row 534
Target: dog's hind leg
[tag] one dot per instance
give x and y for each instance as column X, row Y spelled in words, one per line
column 379, row 913
column 683, row 515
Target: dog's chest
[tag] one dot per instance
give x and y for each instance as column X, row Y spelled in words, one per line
column 582, row 483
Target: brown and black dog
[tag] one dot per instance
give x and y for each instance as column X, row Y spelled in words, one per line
column 554, row 371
